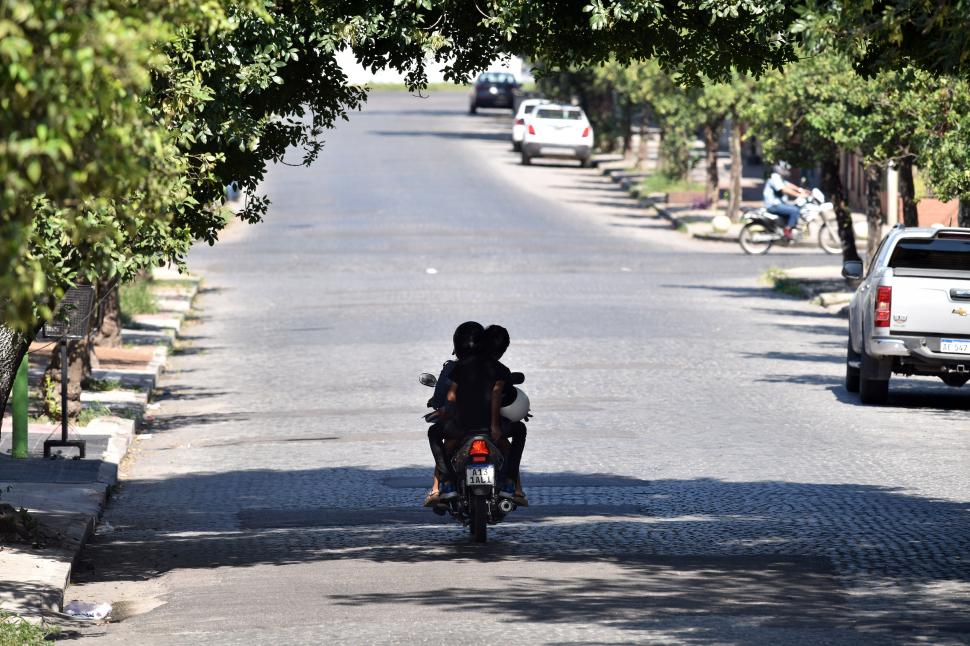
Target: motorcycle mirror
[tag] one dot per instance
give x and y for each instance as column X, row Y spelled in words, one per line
column 517, row 378
column 427, row 379
column 852, row 269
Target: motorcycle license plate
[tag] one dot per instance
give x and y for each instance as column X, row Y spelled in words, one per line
column 480, row 475
column 955, row 346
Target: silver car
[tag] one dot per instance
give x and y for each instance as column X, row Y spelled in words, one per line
column 911, row 313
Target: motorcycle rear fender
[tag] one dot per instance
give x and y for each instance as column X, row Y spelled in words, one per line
column 769, row 220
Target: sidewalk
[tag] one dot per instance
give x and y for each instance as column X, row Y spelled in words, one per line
column 66, row 496
column 697, row 222
column 824, row 286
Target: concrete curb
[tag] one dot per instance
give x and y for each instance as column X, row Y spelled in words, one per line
column 34, row 580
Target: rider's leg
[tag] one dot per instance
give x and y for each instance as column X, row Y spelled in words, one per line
column 517, row 432
column 436, row 438
column 789, row 211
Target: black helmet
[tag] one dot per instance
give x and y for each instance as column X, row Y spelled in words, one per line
column 496, row 341
column 468, row 339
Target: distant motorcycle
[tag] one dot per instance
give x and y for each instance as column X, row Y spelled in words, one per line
column 477, row 465
column 763, row 229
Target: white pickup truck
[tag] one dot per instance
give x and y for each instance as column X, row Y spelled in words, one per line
column 911, row 314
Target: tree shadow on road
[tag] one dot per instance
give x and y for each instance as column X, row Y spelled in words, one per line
column 662, row 551
column 444, row 134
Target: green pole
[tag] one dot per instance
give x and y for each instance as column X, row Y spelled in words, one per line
column 20, row 411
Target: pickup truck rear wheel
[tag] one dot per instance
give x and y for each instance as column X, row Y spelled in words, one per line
column 871, row 391
column 851, row 373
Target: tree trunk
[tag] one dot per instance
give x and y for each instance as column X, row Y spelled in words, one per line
column 712, row 135
column 874, row 215
column 832, row 185
column 907, row 191
column 78, row 369
column 109, row 334
column 734, row 195
column 642, row 145
column 13, row 347
column 963, row 214
column 627, row 127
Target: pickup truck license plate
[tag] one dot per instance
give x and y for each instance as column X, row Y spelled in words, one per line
column 483, row 475
column 955, row 346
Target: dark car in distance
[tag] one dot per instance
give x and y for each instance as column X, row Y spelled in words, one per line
column 493, row 90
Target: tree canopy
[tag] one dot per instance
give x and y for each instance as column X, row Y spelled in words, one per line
column 122, row 121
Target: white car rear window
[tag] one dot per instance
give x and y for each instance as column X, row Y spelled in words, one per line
column 558, row 113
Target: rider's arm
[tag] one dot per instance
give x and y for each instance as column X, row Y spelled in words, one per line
column 448, row 410
column 496, row 407
column 793, row 190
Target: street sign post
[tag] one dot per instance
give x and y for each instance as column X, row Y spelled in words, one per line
column 71, row 322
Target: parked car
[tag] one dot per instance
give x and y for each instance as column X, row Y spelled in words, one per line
column 911, row 314
column 556, row 130
column 526, row 108
column 493, row 90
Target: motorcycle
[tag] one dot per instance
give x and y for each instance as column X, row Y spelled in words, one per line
column 477, row 465
column 763, row 229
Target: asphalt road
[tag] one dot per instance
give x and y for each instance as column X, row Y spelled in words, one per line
column 697, row 472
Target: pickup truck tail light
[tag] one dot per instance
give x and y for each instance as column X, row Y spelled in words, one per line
column 532, row 130
column 586, row 131
column 884, row 306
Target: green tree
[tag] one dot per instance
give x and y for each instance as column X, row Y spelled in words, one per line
column 892, row 34
column 780, row 112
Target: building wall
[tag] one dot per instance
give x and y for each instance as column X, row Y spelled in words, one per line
column 930, row 210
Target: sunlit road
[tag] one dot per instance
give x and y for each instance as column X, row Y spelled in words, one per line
column 697, row 472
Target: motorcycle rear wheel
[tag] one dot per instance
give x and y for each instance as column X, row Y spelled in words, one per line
column 747, row 239
column 479, row 514
column 828, row 239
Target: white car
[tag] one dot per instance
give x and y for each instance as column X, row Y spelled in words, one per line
column 526, row 108
column 556, row 130
column 911, row 314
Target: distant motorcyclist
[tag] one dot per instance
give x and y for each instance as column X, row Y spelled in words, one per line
column 777, row 189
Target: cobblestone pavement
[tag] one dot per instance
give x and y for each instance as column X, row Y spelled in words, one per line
column 697, row 472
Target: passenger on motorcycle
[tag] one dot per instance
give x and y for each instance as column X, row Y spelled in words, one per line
column 475, row 393
column 777, row 188
column 496, row 343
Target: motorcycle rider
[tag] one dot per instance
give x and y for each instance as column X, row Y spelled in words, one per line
column 777, row 188
column 466, row 341
column 477, row 382
column 496, row 343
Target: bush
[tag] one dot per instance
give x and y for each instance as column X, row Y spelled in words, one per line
column 17, row 631
column 663, row 184
column 136, row 297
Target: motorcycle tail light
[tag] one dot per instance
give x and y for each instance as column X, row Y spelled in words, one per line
column 884, row 305
column 479, row 448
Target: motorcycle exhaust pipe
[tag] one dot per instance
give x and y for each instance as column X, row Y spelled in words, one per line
column 506, row 505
